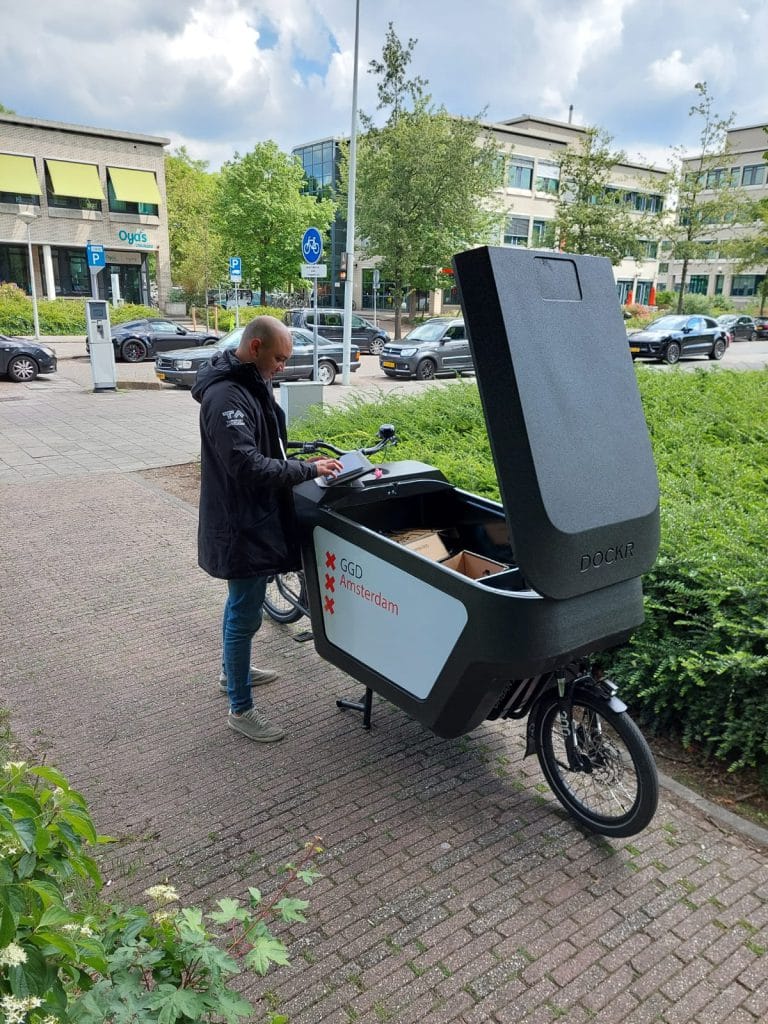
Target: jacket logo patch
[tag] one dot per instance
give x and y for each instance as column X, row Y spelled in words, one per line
column 233, row 418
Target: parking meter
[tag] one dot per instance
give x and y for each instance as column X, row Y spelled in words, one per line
column 100, row 345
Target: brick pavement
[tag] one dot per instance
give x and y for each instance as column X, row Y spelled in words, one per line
column 454, row 888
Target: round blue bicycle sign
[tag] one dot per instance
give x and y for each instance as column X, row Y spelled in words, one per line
column 312, row 245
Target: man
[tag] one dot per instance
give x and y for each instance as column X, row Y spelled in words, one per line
column 245, row 531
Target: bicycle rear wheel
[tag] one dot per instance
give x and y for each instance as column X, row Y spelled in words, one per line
column 286, row 597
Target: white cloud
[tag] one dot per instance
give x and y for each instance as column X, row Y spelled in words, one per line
column 672, row 74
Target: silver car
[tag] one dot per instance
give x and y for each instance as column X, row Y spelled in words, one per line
column 180, row 367
column 438, row 347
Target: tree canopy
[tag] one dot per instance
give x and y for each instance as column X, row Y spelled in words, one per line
column 196, row 246
column 424, row 181
column 263, row 212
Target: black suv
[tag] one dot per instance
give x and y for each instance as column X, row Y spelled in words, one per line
column 330, row 324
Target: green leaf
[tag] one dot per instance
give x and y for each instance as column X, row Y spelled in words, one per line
column 232, row 1007
column 26, row 865
column 229, row 910
column 45, row 937
column 55, row 915
column 44, row 771
column 174, row 1003
column 23, row 806
column 81, row 822
column 291, row 909
column 255, row 895
column 47, row 891
column 26, row 830
column 266, row 950
column 7, row 926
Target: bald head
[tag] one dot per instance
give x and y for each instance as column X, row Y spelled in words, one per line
column 267, row 344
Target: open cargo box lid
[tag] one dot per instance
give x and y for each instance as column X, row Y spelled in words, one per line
column 566, row 427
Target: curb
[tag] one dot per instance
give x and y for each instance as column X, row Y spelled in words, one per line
column 715, row 813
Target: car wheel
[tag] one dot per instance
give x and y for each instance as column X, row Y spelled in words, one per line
column 133, row 350
column 718, row 349
column 672, row 353
column 326, row 372
column 426, row 369
column 375, row 346
column 22, row 369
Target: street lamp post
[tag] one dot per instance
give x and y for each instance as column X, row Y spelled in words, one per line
column 27, row 216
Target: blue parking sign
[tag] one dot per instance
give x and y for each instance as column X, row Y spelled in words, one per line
column 97, row 258
column 235, row 268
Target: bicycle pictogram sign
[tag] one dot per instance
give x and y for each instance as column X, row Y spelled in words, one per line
column 312, row 245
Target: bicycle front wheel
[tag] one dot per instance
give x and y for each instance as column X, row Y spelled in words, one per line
column 615, row 790
column 286, row 597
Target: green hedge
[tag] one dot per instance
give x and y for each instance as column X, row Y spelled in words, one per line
column 59, row 316
column 698, row 667
column 247, row 313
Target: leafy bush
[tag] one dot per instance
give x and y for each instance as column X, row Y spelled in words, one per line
column 159, row 965
column 57, row 316
column 666, row 300
column 698, row 666
column 693, row 303
column 247, row 313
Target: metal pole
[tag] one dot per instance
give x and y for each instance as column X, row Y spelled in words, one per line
column 237, row 308
column 314, row 334
column 347, row 337
column 35, row 317
column 375, row 321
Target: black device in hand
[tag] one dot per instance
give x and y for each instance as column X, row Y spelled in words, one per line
column 353, row 464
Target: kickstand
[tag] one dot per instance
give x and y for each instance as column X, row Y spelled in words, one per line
column 363, row 705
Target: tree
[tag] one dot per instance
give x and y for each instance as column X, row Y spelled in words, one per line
column 196, row 247
column 263, row 214
column 592, row 215
column 424, row 181
column 707, row 199
column 6, row 110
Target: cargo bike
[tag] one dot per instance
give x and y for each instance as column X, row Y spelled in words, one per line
column 459, row 609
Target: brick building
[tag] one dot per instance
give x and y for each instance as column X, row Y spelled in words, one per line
column 83, row 185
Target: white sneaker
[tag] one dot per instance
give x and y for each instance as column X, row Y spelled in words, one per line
column 259, row 677
column 255, row 726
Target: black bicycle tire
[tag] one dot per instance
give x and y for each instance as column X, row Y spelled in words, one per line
column 641, row 809
column 279, row 613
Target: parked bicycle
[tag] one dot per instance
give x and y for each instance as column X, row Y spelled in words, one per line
column 286, row 599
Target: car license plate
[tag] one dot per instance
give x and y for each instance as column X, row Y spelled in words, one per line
column 390, row 365
column 634, row 348
column 160, row 376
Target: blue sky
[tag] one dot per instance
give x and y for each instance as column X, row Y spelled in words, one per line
column 220, row 75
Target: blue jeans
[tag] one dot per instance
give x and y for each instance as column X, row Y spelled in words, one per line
column 242, row 618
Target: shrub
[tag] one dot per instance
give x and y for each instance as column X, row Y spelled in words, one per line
column 697, row 668
column 247, row 313
column 56, row 316
column 161, row 964
column 693, row 303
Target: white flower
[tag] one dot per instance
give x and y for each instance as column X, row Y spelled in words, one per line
column 14, row 766
column 12, row 955
column 15, row 1010
column 162, row 893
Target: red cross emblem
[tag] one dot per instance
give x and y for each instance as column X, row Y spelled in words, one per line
column 330, row 582
column 330, row 560
column 329, row 605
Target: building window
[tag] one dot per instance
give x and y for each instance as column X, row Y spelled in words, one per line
column 719, row 281
column 698, row 284
column 70, row 272
column 516, row 231
column 753, row 175
column 14, row 265
column 722, row 176
column 746, row 284
column 520, row 173
column 623, row 290
column 67, row 202
column 539, row 234
column 547, row 177
column 119, row 206
column 649, row 249
column 19, row 199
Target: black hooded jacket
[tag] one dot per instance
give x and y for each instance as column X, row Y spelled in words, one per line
column 246, row 526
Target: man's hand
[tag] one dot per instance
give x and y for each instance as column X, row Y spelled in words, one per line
column 327, row 467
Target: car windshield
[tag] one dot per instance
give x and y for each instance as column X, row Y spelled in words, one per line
column 727, row 319
column 429, row 331
column 668, row 323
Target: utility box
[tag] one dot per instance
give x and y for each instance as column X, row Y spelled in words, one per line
column 100, row 348
column 296, row 397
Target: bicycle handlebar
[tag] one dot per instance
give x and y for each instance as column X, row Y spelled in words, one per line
column 386, row 432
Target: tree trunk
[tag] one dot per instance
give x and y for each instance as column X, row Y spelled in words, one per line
column 263, row 296
column 683, row 278
column 397, row 294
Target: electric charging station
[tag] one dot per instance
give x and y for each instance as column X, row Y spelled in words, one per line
column 100, row 346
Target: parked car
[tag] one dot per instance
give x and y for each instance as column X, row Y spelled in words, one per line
column 741, row 328
column 761, row 326
column 671, row 337
column 435, row 348
column 21, row 359
column 180, row 367
column 330, row 324
column 137, row 340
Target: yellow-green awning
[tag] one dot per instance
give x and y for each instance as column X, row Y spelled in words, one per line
column 78, row 180
column 134, row 186
column 18, row 175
